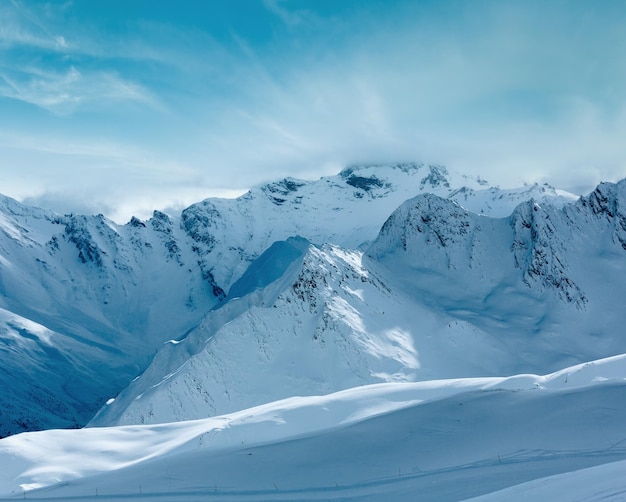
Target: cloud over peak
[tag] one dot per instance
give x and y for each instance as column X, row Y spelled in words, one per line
column 517, row 92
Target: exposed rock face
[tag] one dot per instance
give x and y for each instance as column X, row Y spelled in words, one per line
column 540, row 251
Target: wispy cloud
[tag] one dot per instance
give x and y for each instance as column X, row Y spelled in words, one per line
column 58, row 77
column 21, row 25
column 515, row 92
column 492, row 89
column 100, row 176
column 63, row 92
column 291, row 17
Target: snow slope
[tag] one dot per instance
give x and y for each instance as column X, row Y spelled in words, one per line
column 441, row 293
column 556, row 274
column 602, row 482
column 437, row 440
column 327, row 323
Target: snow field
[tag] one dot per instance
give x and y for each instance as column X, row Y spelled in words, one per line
column 396, row 439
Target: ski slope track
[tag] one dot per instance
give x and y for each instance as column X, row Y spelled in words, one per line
column 395, row 300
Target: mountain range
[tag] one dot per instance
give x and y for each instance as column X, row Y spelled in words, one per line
column 397, row 276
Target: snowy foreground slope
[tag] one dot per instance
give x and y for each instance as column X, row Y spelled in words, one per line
column 86, row 303
column 555, row 437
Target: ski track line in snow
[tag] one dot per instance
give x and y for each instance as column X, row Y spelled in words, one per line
column 371, row 489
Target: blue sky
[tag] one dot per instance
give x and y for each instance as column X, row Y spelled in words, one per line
column 121, row 107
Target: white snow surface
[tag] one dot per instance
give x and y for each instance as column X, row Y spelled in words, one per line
column 436, row 440
column 604, row 482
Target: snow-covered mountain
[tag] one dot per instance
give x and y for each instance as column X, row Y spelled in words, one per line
column 396, row 300
column 441, row 293
column 86, row 303
column 346, row 210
